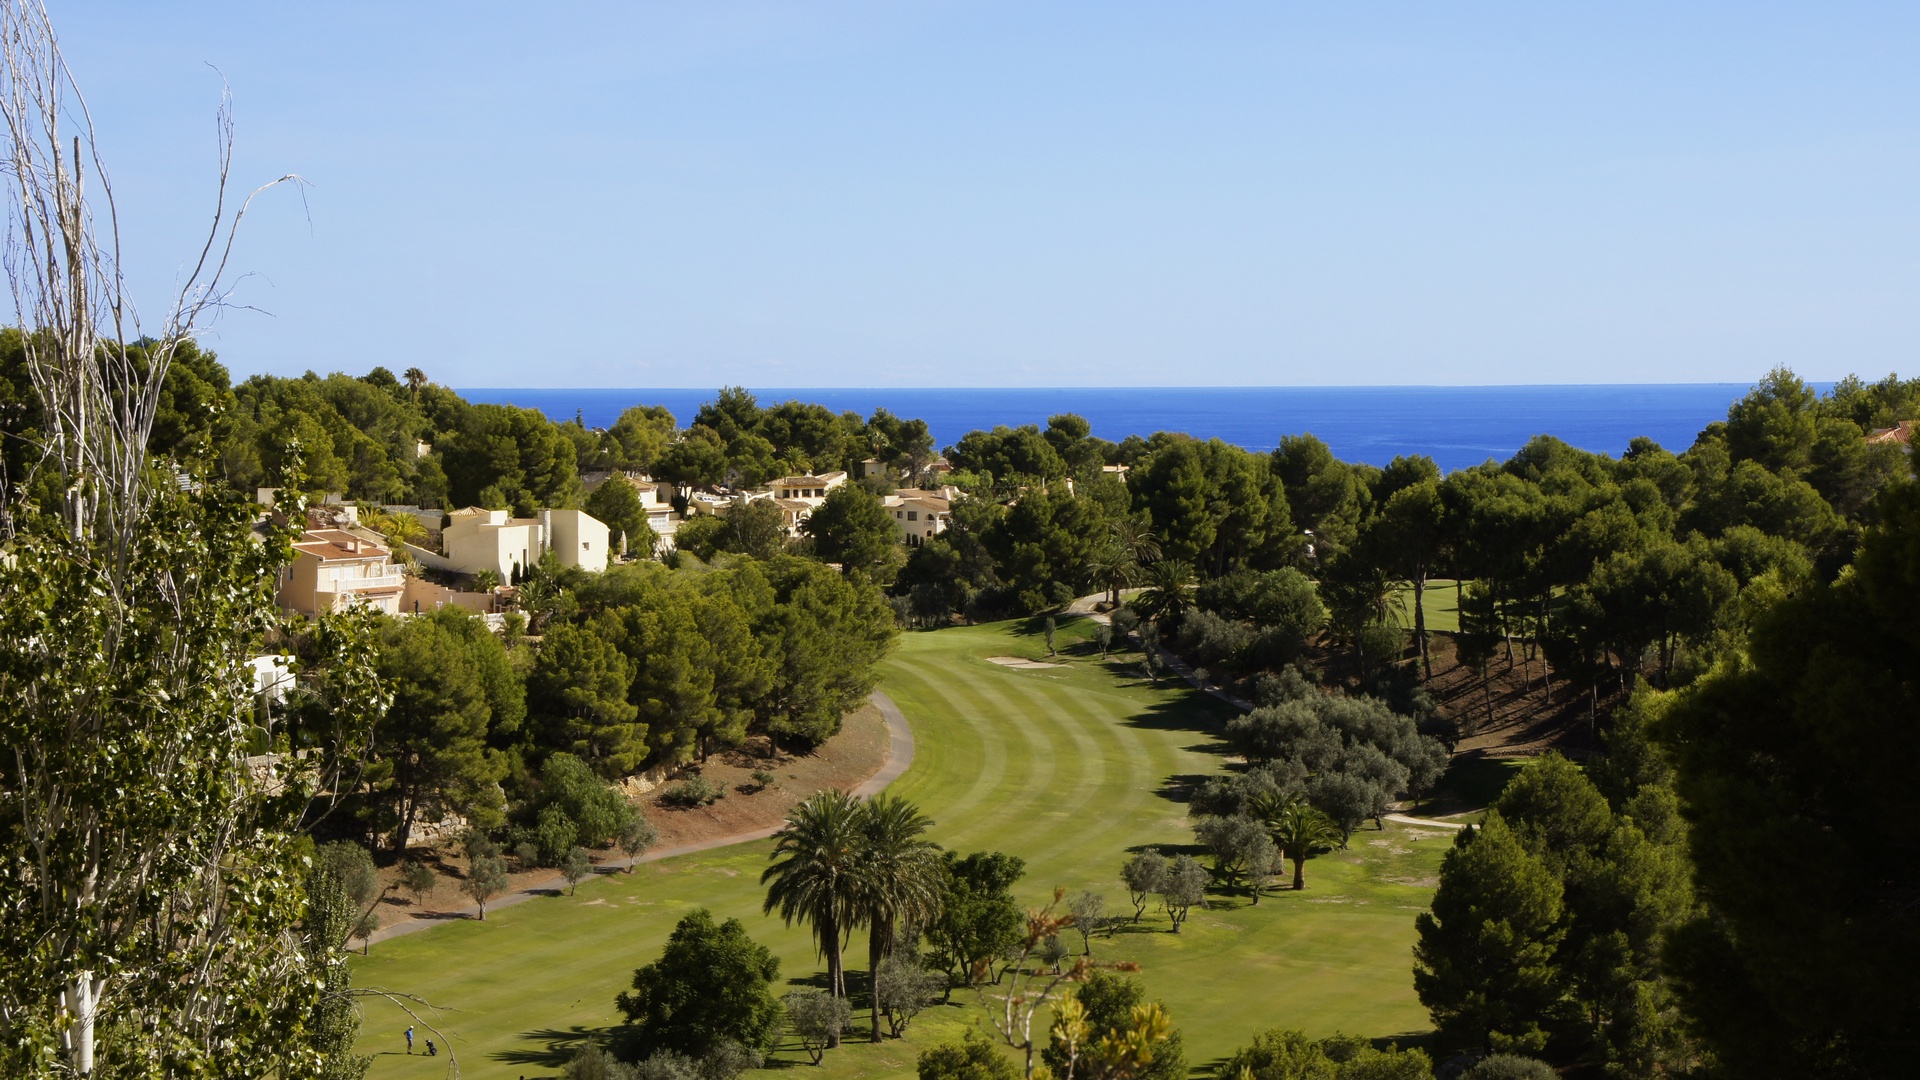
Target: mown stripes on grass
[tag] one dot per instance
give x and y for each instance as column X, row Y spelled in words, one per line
column 1064, row 767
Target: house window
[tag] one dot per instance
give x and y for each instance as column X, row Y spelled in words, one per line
column 913, row 515
column 585, row 546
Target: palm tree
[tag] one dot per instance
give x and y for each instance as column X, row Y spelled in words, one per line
column 817, row 872
column 1111, row 566
column 1298, row 830
column 415, row 380
column 1168, row 584
column 1135, row 537
column 901, row 881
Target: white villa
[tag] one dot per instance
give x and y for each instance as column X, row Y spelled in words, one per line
column 477, row 540
column 920, row 514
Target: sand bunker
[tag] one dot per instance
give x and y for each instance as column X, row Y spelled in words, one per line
column 1020, row 662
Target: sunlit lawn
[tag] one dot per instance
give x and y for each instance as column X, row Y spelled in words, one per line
column 1069, row 768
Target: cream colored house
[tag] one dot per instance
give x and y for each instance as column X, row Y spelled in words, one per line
column 478, row 540
column 579, row 538
column 920, row 514
column 811, row 490
column 334, row 569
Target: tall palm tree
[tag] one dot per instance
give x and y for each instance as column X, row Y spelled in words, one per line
column 1111, row 566
column 415, row 380
column 817, row 875
column 901, row 881
column 1298, row 829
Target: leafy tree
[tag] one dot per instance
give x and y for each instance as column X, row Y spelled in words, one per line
column 853, row 529
column 904, row 987
column 972, row 1058
column 352, row 869
column 617, row 504
column 419, row 879
column 1144, row 875
column 1086, row 907
column 1799, row 754
column 578, row 695
column 1281, row 1055
column 518, row 452
column 1237, row 842
column 1185, row 886
column 1484, row 962
column 597, row 810
column 979, row 919
column 818, row 1018
column 638, row 437
column 576, row 866
column 486, row 879
column 711, row 983
column 431, row 750
column 637, row 834
column 817, row 875
column 335, row 1021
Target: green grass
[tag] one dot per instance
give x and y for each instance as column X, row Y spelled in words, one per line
column 1442, row 606
column 1068, row 768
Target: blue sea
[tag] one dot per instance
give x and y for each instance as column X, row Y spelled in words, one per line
column 1457, row 426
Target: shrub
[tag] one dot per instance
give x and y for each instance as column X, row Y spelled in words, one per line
column 596, row 808
column 1124, row 622
column 591, row 1062
column 1510, row 1067
column 973, row 1058
column 528, row 853
column 667, row 1065
column 691, row 792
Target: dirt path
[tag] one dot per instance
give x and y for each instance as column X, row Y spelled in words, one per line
column 899, row 757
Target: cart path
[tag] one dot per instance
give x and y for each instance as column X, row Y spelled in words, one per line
column 899, row 758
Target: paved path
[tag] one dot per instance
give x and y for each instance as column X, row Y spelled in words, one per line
column 1426, row 822
column 899, row 757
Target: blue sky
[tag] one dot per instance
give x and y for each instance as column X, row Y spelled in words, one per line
column 983, row 194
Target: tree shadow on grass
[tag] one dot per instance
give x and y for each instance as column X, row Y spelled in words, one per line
column 558, row 1046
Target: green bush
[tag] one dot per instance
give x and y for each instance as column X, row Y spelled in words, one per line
column 693, row 791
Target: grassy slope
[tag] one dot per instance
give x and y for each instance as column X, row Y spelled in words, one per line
column 1443, row 612
column 1063, row 767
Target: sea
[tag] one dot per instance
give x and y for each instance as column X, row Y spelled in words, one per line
column 1457, row 426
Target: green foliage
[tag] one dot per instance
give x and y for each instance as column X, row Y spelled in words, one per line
column 817, row 1018
column 979, row 918
column 1795, row 764
column 1109, row 1000
column 1290, row 1055
column 335, row 1022
column 617, row 504
column 853, row 529
column 1510, row 1067
column 516, row 452
column 576, row 866
column 431, row 750
column 973, row 1058
column 138, row 843
column 577, row 694
column 486, row 879
column 711, row 983
column 691, row 792
column 903, row 987
column 1484, row 964
column 817, row 873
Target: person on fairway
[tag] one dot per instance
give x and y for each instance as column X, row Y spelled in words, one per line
column 409, row 1038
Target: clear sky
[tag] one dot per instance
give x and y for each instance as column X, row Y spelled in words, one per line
column 1025, row 194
